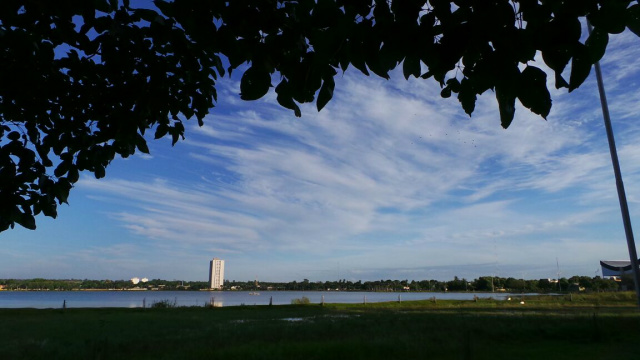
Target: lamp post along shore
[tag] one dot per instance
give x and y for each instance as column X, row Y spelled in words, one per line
column 622, row 198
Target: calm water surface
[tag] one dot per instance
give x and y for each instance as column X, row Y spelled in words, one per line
column 132, row 299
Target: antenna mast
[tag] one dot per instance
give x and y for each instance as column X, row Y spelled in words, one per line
column 558, row 274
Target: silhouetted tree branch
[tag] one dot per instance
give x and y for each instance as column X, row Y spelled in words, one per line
column 83, row 81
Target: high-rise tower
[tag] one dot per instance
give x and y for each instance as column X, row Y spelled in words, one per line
column 216, row 273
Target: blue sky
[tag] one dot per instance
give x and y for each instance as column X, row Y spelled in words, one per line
column 389, row 181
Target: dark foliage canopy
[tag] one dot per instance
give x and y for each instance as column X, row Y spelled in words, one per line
column 82, row 81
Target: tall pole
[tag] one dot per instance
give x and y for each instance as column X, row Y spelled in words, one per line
column 622, row 198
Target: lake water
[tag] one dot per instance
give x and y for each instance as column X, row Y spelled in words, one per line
column 133, row 299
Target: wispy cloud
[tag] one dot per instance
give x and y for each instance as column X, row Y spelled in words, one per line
column 388, row 173
column 389, row 179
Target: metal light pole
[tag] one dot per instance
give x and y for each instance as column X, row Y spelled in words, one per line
column 622, row 198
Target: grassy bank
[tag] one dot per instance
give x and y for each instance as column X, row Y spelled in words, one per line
column 599, row 326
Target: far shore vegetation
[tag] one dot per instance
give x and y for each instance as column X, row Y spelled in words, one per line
column 572, row 326
column 481, row 284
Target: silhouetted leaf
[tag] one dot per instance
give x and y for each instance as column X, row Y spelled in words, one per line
column 560, row 81
column 147, row 15
column 161, row 131
column 557, row 59
column 255, row 83
column 102, row 5
column 357, row 58
column 466, row 95
column 73, row 175
column 506, row 105
column 411, row 66
column 14, row 136
column 533, row 93
column 381, row 12
column 610, row 16
column 597, row 44
column 326, row 92
column 61, row 190
column 62, row 168
column 176, row 132
column 285, row 98
column 633, row 19
column 141, row 144
column 27, row 221
column 49, row 209
column 99, row 172
column 454, row 84
column 580, row 67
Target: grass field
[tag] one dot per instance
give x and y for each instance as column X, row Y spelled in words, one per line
column 603, row 326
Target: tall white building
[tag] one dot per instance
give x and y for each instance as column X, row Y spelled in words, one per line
column 216, row 273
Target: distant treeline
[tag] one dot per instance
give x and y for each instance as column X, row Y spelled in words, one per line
column 64, row 285
column 484, row 283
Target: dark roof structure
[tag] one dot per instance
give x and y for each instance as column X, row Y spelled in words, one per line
column 615, row 267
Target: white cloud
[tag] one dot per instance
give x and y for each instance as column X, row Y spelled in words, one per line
column 387, row 174
column 388, row 177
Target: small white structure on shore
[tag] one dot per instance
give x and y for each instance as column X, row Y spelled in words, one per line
column 135, row 280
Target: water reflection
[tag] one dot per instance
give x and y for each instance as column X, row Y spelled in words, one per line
column 139, row 299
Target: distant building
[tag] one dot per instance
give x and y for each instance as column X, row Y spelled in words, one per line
column 144, row 280
column 615, row 268
column 216, row 273
column 135, row 280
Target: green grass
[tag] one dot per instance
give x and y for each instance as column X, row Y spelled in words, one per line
column 601, row 326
